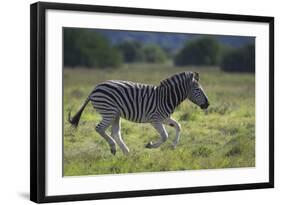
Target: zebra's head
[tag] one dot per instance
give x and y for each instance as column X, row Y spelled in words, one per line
column 196, row 92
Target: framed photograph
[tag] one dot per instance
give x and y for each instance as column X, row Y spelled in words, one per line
column 129, row 102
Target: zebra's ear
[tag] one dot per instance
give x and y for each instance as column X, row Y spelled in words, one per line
column 196, row 76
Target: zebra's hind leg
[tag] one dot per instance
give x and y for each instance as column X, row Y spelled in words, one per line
column 116, row 135
column 163, row 135
column 173, row 123
column 101, row 127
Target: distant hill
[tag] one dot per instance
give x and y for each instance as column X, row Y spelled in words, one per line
column 170, row 41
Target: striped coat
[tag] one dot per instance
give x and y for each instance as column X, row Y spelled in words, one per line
column 142, row 103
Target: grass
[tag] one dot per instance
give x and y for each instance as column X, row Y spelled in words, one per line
column 224, row 137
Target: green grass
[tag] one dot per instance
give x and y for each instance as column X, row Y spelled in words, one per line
column 224, row 137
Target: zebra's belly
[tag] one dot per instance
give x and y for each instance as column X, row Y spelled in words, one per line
column 137, row 120
column 113, row 111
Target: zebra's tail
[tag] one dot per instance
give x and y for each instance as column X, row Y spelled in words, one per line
column 74, row 121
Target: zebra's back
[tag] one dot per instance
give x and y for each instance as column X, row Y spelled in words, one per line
column 133, row 101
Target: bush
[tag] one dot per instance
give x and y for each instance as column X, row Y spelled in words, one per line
column 239, row 60
column 131, row 51
column 202, row 51
column 71, row 53
column 90, row 49
column 154, row 54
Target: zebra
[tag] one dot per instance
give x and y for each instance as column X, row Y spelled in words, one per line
column 142, row 103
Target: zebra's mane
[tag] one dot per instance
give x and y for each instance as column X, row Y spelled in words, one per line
column 181, row 76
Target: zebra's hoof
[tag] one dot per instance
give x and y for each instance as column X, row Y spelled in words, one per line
column 113, row 151
column 149, row 145
column 126, row 152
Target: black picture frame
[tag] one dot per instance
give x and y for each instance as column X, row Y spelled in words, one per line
column 38, row 101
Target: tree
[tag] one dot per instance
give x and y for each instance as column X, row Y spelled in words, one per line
column 131, row 51
column 202, row 51
column 71, row 52
column 90, row 49
column 240, row 59
column 154, row 54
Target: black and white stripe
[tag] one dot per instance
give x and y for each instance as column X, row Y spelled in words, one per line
column 142, row 103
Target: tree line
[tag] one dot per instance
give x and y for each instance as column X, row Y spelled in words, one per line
column 91, row 49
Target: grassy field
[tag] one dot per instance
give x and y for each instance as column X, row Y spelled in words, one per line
column 224, row 137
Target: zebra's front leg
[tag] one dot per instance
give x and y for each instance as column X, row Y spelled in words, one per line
column 173, row 123
column 163, row 135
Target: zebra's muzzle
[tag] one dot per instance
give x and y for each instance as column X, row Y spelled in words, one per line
column 205, row 106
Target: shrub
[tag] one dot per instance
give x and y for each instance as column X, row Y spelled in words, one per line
column 202, row 51
column 239, row 60
column 131, row 51
column 153, row 54
column 90, row 49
